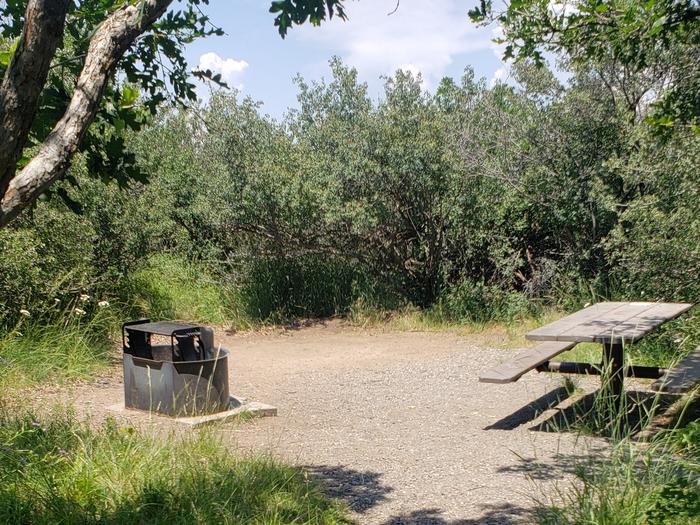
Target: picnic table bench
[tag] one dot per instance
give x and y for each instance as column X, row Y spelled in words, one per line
column 614, row 325
column 682, row 377
column 524, row 361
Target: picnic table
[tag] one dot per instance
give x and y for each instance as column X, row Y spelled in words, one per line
column 614, row 325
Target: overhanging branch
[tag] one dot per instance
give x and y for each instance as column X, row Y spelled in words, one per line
column 111, row 39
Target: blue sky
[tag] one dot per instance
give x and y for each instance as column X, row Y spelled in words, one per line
column 435, row 38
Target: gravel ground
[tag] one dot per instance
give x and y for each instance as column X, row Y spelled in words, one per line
column 398, row 426
column 395, row 423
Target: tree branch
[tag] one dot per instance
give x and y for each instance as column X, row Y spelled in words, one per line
column 24, row 79
column 111, row 39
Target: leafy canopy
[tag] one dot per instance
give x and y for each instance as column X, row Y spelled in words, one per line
column 632, row 33
column 152, row 72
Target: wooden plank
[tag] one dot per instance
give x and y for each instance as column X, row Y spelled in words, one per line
column 638, row 326
column 604, row 326
column 682, row 377
column 551, row 331
column 524, row 361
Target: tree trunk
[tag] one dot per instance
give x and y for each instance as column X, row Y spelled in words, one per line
column 24, row 79
column 111, row 39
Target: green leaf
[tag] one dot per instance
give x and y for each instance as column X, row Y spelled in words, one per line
column 658, row 25
column 129, row 96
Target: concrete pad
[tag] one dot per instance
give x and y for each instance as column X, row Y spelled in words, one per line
column 240, row 408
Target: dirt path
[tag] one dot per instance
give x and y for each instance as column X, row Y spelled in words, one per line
column 395, row 424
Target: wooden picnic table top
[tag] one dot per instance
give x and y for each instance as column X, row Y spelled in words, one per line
column 609, row 322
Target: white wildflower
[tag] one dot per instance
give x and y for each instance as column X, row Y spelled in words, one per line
column 79, row 311
column 25, row 313
column 84, row 297
column 56, row 300
column 103, row 304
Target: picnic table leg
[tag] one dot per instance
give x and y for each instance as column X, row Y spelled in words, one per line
column 613, row 364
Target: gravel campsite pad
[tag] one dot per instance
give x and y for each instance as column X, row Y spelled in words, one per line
column 395, row 424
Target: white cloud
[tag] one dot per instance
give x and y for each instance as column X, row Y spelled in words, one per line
column 419, row 36
column 411, row 68
column 500, row 75
column 229, row 68
column 563, row 9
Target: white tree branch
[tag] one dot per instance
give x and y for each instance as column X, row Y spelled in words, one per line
column 111, row 39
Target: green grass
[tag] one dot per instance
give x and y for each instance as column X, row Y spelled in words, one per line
column 76, row 340
column 633, row 482
column 497, row 334
column 59, row 348
column 168, row 287
column 657, row 484
column 57, row 471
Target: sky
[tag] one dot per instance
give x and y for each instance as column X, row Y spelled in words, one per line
column 435, row 38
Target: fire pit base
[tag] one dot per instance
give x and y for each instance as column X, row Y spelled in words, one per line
column 238, row 408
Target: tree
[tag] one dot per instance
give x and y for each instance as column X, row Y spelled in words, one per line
column 104, row 62
column 630, row 29
column 635, row 34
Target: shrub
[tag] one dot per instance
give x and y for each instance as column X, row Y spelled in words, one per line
column 169, row 287
column 476, row 301
column 310, row 286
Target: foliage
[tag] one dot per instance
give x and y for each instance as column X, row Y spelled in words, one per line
column 56, row 470
column 64, row 345
column 589, row 28
column 655, row 484
column 144, row 68
column 303, row 287
column 153, row 69
column 167, row 287
column 484, row 202
column 476, row 302
column 299, row 11
column 628, row 32
column 654, row 246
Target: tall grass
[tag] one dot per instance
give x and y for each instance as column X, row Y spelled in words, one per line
column 77, row 338
column 645, row 483
column 281, row 289
column 63, row 345
column 169, row 287
column 654, row 485
column 57, row 471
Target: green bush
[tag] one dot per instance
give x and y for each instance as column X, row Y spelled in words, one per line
column 654, row 251
column 36, row 270
column 288, row 288
column 57, row 471
column 478, row 302
column 169, row 287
